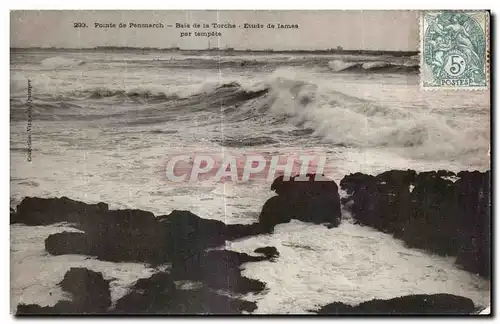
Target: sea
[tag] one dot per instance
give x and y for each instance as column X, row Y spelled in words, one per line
column 102, row 125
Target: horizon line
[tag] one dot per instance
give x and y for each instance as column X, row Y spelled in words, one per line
column 226, row 49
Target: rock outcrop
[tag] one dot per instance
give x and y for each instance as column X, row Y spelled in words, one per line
column 160, row 295
column 69, row 243
column 219, row 269
column 315, row 200
column 46, row 211
column 441, row 212
column 191, row 245
column 428, row 210
column 90, row 295
column 127, row 235
column 409, row 305
column 268, row 251
column 138, row 236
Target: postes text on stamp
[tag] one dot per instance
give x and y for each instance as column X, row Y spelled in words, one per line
column 454, row 50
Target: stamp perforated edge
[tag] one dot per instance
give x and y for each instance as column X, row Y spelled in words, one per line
column 421, row 53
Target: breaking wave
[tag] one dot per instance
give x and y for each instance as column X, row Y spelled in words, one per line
column 373, row 66
column 289, row 98
column 227, row 94
column 345, row 120
column 60, row 62
column 98, row 93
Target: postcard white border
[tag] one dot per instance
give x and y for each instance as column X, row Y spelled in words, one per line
column 189, row 4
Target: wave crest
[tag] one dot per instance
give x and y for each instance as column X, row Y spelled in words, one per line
column 60, row 62
column 140, row 93
column 230, row 93
column 352, row 121
column 373, row 66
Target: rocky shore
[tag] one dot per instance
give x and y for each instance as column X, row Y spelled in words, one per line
column 440, row 212
column 410, row 305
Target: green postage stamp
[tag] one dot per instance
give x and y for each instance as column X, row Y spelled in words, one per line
column 454, row 49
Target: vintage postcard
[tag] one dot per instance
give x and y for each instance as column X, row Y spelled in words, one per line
column 250, row 162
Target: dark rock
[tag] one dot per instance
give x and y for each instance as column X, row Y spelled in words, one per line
column 357, row 181
column 313, row 200
column 33, row 309
column 12, row 216
column 445, row 173
column 268, row 251
column 186, row 234
column 236, row 231
column 68, row 243
column 63, row 307
column 181, row 238
column 148, row 295
column 158, row 282
column 90, row 295
column 118, row 235
column 127, row 235
column 411, row 304
column 397, row 178
column 428, row 211
column 198, row 301
column 158, row 295
column 89, row 289
column 130, row 221
column 206, row 301
column 138, row 236
column 46, row 211
column 218, row 269
column 473, row 193
column 276, row 210
column 386, row 194
column 433, row 225
column 312, row 185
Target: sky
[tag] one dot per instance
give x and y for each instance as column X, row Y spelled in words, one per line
column 370, row 30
